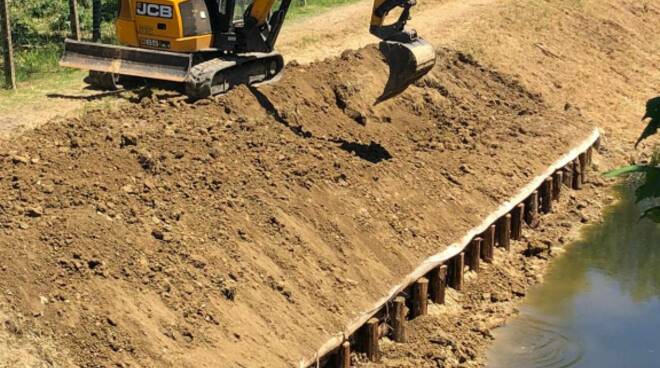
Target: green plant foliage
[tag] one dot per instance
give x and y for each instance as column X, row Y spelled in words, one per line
column 652, row 214
column 650, row 187
column 42, row 22
column 39, row 28
column 632, row 169
column 649, row 175
column 652, row 113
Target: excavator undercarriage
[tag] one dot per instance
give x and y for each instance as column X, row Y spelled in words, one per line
column 202, row 74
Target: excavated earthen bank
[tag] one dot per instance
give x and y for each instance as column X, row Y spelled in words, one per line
column 410, row 298
column 250, row 229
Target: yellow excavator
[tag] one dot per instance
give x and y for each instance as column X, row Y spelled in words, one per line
column 213, row 45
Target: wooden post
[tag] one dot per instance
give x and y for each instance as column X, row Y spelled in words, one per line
column 557, row 180
column 568, row 175
column 583, row 166
column 504, row 231
column 577, row 175
column 458, row 265
column 546, row 195
column 7, row 46
column 437, row 284
column 517, row 219
column 369, row 339
column 532, row 210
column 420, row 298
column 473, row 254
column 344, row 355
column 399, row 319
column 96, row 20
column 488, row 244
column 73, row 18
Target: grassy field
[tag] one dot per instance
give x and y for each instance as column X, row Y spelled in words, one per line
column 314, row 7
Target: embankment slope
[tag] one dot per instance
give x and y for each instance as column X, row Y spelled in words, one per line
column 600, row 56
column 247, row 230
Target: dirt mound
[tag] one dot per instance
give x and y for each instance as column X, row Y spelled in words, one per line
column 249, row 229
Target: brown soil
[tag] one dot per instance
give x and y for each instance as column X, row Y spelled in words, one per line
column 244, row 229
column 599, row 56
column 250, row 229
column 458, row 333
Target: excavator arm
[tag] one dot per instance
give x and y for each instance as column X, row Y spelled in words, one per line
column 262, row 24
column 408, row 56
column 395, row 31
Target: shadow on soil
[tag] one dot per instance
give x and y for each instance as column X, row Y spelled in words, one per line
column 372, row 152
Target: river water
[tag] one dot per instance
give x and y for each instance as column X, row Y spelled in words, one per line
column 599, row 305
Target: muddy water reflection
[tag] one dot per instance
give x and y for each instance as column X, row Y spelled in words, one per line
column 599, row 306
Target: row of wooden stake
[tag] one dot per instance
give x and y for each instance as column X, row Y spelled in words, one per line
column 413, row 302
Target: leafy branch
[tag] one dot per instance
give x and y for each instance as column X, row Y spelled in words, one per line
column 650, row 173
column 652, row 113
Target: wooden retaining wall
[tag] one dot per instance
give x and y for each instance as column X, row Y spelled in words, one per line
column 428, row 281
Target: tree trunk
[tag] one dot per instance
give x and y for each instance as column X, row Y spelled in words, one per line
column 96, row 20
column 8, row 48
column 73, row 18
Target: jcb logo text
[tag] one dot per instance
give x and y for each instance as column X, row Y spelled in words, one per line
column 154, row 10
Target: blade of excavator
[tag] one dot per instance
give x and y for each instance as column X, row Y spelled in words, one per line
column 122, row 60
column 408, row 62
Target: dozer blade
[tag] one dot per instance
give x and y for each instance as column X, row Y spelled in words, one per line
column 408, row 62
column 121, row 60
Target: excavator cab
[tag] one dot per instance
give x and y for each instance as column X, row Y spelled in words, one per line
column 212, row 45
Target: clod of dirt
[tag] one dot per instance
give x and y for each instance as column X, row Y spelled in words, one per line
column 128, row 139
column 36, row 211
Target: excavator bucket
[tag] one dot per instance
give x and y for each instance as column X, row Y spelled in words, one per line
column 408, row 62
column 121, row 60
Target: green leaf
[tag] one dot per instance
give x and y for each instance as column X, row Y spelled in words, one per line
column 650, row 187
column 652, row 214
column 629, row 170
column 653, row 113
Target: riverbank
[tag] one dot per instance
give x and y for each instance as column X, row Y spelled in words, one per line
column 597, row 57
column 319, row 201
column 599, row 305
column 459, row 333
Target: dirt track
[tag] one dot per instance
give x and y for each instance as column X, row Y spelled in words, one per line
column 241, row 231
column 345, row 27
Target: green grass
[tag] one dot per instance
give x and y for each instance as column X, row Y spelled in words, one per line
column 38, row 63
column 31, row 90
column 314, row 7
